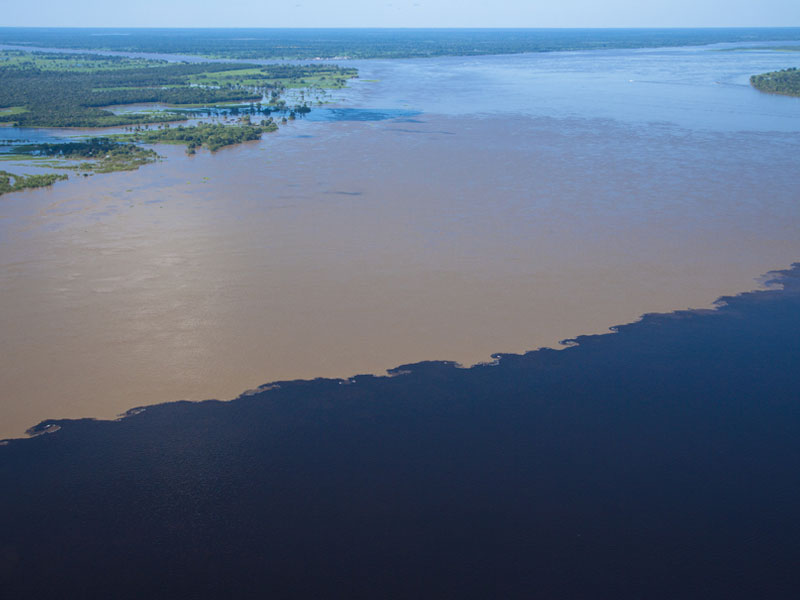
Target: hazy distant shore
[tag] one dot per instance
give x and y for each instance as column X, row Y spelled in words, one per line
column 366, row 43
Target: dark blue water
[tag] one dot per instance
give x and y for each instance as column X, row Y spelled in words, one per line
column 660, row 461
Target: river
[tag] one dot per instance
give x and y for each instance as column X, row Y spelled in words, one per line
column 445, row 208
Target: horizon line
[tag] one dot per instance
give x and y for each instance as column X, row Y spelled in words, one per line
column 514, row 28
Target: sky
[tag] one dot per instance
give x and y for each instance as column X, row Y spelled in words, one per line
column 402, row 13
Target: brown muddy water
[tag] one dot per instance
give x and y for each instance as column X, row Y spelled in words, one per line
column 332, row 249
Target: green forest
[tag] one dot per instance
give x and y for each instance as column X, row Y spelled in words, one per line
column 786, row 82
column 306, row 44
column 58, row 90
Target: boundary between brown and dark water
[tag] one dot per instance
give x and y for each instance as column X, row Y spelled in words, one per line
column 659, row 461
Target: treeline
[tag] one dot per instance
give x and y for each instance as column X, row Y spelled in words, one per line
column 99, row 147
column 61, row 98
column 9, row 182
column 174, row 95
column 378, row 43
column 211, row 135
column 786, row 82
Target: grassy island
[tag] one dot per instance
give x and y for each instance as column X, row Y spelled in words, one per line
column 209, row 135
column 10, row 182
column 785, row 82
column 98, row 155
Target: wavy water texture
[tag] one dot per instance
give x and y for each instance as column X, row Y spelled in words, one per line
column 659, row 461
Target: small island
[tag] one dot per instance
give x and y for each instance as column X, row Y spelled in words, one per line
column 212, row 136
column 9, row 182
column 97, row 155
column 785, row 82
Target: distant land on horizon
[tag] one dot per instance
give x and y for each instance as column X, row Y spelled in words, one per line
column 310, row 43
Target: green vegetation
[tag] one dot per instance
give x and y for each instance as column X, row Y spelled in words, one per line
column 85, row 63
column 49, row 90
column 786, row 82
column 59, row 90
column 104, row 155
column 13, row 110
column 9, row 182
column 279, row 77
column 211, row 135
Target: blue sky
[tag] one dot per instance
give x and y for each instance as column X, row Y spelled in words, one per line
column 403, row 13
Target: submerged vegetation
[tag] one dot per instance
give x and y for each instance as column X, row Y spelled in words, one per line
column 50, row 89
column 210, row 135
column 99, row 155
column 10, row 182
column 59, row 90
column 786, row 82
